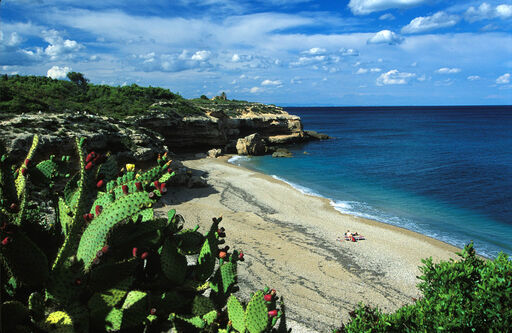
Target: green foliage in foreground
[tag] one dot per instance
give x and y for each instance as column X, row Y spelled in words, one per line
column 466, row 295
column 106, row 263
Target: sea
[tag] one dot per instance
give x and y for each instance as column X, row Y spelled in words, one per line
column 445, row 172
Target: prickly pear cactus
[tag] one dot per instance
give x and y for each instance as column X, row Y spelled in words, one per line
column 117, row 266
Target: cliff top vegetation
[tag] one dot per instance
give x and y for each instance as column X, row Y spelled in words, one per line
column 33, row 94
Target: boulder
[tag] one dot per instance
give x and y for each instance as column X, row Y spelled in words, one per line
column 253, row 144
column 213, row 153
column 316, row 135
column 282, row 152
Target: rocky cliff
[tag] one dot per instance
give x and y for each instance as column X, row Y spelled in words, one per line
column 141, row 137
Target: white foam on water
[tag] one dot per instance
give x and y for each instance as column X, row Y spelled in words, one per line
column 237, row 158
column 300, row 188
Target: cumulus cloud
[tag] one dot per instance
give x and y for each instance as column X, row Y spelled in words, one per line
column 427, row 23
column 504, row 79
column 473, row 77
column 362, row 71
column 255, row 90
column 201, row 55
column 385, row 37
column 57, row 72
column 446, row 70
column 235, row 58
column 59, row 47
column 315, row 50
column 271, row 83
column 486, row 11
column 363, row 7
column 394, row 77
column 13, row 39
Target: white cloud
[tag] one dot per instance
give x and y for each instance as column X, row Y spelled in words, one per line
column 485, row 12
column 13, row 40
column 473, row 77
column 446, row 70
column 385, row 37
column 504, row 79
column 349, row 52
column 59, row 47
column 427, row 23
column 504, row 11
column 315, row 50
column 362, row 71
column 387, row 16
column 363, row 7
column 375, row 70
column 235, row 58
column 271, row 83
column 255, row 90
column 422, row 78
column 201, row 55
column 57, row 72
column 394, row 77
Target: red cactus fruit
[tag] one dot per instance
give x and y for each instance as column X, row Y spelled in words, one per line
column 90, row 216
column 268, row 297
column 6, row 241
column 23, row 171
column 86, row 217
column 90, row 156
column 169, row 170
column 125, row 189
column 222, row 254
column 98, row 210
column 241, row 256
column 105, row 249
column 100, row 183
column 134, row 251
column 163, row 188
column 152, row 311
column 157, row 184
column 27, row 162
column 138, row 185
column 272, row 313
column 144, row 255
column 78, row 281
column 88, row 166
column 13, row 207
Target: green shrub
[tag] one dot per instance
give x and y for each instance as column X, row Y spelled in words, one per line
column 466, row 295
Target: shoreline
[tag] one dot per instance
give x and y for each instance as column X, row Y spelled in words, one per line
column 290, row 242
column 329, row 202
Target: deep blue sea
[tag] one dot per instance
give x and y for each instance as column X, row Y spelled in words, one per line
column 445, row 172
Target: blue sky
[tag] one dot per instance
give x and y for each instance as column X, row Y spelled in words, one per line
column 285, row 52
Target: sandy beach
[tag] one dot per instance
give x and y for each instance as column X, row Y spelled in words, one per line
column 292, row 243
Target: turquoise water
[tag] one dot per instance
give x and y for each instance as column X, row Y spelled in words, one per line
column 445, row 172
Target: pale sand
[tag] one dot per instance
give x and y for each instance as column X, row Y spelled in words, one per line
column 290, row 244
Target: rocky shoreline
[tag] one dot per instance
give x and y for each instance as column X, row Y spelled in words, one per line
column 141, row 138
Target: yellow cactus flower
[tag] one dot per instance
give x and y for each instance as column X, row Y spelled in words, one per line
column 130, row 167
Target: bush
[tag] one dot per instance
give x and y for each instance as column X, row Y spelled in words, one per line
column 466, row 295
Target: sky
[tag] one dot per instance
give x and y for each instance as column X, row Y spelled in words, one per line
column 283, row 52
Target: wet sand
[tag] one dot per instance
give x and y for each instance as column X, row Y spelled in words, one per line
column 291, row 242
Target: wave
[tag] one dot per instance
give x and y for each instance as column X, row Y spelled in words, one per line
column 238, row 158
column 365, row 210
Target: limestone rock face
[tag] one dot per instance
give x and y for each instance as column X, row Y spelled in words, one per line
column 56, row 131
column 213, row 153
column 253, row 144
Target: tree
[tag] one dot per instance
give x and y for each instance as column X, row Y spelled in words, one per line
column 79, row 79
